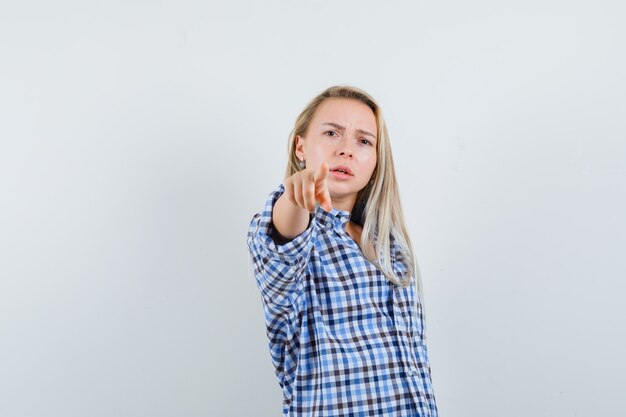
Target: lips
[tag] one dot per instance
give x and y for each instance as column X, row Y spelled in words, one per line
column 342, row 168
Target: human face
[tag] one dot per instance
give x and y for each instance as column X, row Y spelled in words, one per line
column 342, row 132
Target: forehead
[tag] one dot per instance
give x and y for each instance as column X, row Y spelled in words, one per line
column 346, row 112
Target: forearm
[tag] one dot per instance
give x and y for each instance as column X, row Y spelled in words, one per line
column 289, row 219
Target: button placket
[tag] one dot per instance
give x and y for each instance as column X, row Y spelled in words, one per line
column 407, row 316
column 406, row 346
column 415, row 333
column 417, row 325
column 403, row 332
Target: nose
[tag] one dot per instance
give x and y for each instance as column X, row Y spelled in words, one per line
column 345, row 150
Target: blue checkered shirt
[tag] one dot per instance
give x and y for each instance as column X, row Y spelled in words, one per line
column 344, row 341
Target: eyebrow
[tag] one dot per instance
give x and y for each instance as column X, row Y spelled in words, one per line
column 335, row 125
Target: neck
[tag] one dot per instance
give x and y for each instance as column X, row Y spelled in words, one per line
column 345, row 203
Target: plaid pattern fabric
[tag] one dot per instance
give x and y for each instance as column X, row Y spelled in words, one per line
column 344, row 341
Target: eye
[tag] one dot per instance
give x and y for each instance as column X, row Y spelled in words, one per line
column 330, row 131
column 368, row 142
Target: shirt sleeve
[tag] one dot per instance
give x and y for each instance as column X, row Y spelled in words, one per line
column 278, row 268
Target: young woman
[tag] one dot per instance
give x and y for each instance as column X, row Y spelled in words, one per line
column 333, row 261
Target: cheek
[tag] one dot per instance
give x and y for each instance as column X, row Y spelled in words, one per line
column 367, row 164
column 320, row 147
column 315, row 152
column 369, row 158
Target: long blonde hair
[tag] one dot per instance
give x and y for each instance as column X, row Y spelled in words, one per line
column 378, row 207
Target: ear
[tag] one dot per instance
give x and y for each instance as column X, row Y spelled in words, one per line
column 299, row 146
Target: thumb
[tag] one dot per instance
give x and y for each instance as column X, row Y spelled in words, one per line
column 321, row 186
column 321, row 174
column 326, row 202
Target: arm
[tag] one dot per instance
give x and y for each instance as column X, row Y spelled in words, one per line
column 278, row 269
column 289, row 219
column 279, row 261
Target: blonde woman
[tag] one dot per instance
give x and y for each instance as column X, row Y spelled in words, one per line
column 339, row 284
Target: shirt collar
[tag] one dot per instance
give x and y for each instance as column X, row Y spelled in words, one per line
column 335, row 218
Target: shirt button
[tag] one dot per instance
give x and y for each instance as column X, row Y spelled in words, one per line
column 410, row 371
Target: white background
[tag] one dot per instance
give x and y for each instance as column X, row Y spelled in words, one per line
column 137, row 139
